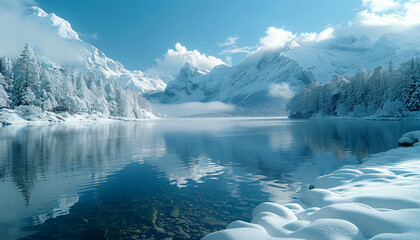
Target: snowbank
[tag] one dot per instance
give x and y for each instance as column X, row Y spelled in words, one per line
column 409, row 138
column 379, row 199
column 34, row 115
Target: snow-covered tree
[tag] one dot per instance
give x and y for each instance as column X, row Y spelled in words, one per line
column 26, row 78
column 45, row 86
column 6, row 68
column 411, row 87
column 384, row 92
column 4, row 97
column 111, row 97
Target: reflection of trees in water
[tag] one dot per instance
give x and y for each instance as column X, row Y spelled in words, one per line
column 274, row 150
column 253, row 148
column 357, row 137
column 31, row 152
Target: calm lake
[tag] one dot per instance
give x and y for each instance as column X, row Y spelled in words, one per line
column 168, row 179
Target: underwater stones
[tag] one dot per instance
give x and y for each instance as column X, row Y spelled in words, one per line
column 175, row 212
column 182, row 235
column 158, row 230
column 213, row 222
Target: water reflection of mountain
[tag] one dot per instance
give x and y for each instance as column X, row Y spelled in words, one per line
column 278, row 148
column 44, row 170
column 51, row 165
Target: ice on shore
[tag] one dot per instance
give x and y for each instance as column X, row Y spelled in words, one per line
column 379, row 199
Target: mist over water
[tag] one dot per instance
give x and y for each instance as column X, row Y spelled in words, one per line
column 96, row 180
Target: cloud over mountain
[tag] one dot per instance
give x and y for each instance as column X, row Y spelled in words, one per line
column 167, row 67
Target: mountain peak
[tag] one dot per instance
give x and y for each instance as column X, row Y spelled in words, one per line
column 58, row 24
column 35, row 11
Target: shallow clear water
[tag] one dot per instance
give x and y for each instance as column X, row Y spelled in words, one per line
column 189, row 177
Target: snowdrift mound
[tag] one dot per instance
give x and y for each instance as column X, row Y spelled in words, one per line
column 409, row 139
column 379, row 199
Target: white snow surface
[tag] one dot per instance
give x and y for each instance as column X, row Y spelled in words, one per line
column 91, row 59
column 379, row 199
column 410, row 138
column 31, row 115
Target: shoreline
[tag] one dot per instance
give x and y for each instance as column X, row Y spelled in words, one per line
column 378, row 199
column 14, row 117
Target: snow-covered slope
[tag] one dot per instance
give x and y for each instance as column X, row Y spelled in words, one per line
column 346, row 55
column 266, row 80
column 257, row 86
column 92, row 59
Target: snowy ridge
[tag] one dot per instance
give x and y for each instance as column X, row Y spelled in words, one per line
column 251, row 85
column 92, row 60
column 62, row 26
column 379, row 199
column 346, row 55
column 265, row 81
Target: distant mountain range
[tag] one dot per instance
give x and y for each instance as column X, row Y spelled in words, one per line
column 262, row 84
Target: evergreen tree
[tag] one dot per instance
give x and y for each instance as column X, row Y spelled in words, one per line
column 411, row 88
column 6, row 68
column 111, row 98
column 4, row 97
column 26, row 78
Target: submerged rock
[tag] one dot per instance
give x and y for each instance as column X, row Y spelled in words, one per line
column 182, row 235
column 175, row 212
column 158, row 230
column 213, row 222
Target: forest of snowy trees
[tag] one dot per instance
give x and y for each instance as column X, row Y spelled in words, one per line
column 27, row 83
column 384, row 92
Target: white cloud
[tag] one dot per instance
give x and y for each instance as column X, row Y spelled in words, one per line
column 281, row 90
column 377, row 17
column 228, row 60
column 380, row 5
column 328, row 33
column 275, row 38
column 228, row 42
column 401, row 17
column 238, row 50
column 167, row 67
column 278, row 38
column 16, row 30
column 16, row 4
column 407, row 15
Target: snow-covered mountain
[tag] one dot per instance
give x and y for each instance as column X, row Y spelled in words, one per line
column 347, row 54
column 260, row 85
column 264, row 82
column 92, row 59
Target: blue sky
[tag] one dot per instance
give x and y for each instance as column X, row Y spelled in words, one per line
column 137, row 32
